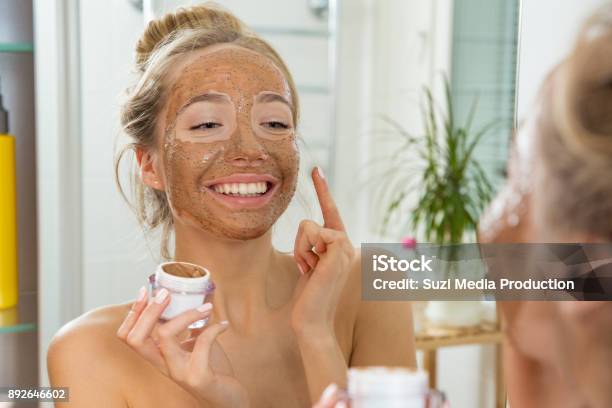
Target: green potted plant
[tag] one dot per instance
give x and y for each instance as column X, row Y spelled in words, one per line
column 439, row 170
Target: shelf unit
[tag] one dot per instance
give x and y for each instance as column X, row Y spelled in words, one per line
column 432, row 338
column 19, row 325
column 22, row 318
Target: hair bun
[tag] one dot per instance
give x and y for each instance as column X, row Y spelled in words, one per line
column 584, row 108
column 205, row 16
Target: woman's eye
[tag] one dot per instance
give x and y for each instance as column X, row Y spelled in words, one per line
column 206, row 126
column 275, row 125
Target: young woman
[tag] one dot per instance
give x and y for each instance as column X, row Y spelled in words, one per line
column 213, row 122
column 559, row 354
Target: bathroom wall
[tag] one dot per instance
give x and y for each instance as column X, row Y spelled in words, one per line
column 115, row 257
column 382, row 53
column 549, row 28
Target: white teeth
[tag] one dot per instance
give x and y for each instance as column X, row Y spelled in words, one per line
column 242, row 189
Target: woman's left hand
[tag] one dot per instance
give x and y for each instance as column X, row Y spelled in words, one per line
column 324, row 255
column 187, row 363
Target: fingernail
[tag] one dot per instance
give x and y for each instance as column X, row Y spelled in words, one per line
column 329, row 392
column 204, row 308
column 320, row 171
column 142, row 293
column 341, row 404
column 161, row 296
column 300, row 268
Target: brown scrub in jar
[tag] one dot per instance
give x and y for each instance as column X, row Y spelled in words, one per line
column 230, row 157
column 183, row 270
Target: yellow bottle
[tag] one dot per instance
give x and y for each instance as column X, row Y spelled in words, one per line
column 8, row 215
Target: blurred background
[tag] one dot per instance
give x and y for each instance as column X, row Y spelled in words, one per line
column 361, row 67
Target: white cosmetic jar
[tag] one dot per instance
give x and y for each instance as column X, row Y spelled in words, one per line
column 392, row 387
column 187, row 284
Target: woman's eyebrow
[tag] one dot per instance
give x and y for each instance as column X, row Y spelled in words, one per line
column 206, row 97
column 266, row 97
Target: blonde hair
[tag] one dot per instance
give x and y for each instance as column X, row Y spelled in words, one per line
column 575, row 136
column 164, row 41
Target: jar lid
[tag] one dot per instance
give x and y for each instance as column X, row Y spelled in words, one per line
column 387, row 381
column 183, row 283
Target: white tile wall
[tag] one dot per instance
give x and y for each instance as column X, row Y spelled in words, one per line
column 316, row 117
column 546, row 40
column 266, row 13
column 306, row 56
column 115, row 258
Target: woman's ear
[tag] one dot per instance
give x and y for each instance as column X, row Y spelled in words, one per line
column 149, row 173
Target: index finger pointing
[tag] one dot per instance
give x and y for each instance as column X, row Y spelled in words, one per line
column 331, row 215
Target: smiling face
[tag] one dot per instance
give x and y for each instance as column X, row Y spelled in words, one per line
column 229, row 155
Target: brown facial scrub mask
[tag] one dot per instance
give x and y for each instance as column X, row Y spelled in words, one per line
column 229, row 153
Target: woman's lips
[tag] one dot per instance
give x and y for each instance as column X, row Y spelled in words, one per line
column 227, row 190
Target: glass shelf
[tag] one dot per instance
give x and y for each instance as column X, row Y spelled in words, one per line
column 21, row 318
column 312, row 89
column 16, row 47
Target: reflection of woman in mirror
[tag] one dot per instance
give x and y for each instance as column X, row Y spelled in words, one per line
column 213, row 125
column 559, row 354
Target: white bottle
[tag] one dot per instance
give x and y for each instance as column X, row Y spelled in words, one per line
column 188, row 285
column 390, row 387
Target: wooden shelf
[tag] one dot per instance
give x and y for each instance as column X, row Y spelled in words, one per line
column 432, row 338
column 436, row 337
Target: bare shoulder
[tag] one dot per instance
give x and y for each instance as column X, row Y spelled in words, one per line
column 352, row 288
column 348, row 308
column 86, row 356
column 93, row 328
column 100, row 317
column 382, row 330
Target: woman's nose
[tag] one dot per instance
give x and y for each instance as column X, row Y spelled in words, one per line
column 246, row 150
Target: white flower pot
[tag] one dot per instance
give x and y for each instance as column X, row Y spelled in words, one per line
column 454, row 313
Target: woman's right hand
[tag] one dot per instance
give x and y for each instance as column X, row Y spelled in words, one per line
column 333, row 397
column 158, row 343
